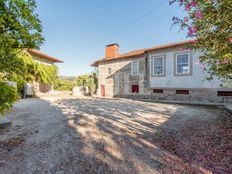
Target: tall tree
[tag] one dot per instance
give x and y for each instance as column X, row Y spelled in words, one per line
column 20, row 28
column 209, row 22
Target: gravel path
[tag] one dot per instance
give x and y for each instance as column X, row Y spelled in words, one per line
column 91, row 135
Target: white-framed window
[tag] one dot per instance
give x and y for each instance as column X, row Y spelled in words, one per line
column 135, row 68
column 182, row 63
column 158, row 65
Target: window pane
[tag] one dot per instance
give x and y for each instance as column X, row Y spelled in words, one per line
column 134, row 64
column 158, row 66
column 135, row 68
column 182, row 59
column 158, row 61
column 182, row 69
column 158, row 70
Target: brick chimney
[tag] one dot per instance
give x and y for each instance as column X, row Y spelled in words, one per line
column 112, row 51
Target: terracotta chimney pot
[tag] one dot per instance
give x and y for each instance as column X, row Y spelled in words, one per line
column 112, row 51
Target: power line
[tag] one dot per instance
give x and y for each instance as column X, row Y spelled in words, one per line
column 124, row 27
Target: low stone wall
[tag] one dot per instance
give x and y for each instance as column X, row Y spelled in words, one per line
column 195, row 96
column 45, row 88
column 36, row 89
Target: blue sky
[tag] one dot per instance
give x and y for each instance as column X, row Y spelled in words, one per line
column 77, row 31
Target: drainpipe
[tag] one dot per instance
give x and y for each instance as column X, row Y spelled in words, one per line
column 147, row 69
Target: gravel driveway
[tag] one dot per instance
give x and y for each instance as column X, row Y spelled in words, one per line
column 92, row 135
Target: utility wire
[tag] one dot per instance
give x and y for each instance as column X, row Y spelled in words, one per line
column 123, row 28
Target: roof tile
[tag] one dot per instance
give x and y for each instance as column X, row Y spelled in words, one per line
column 142, row 51
column 44, row 56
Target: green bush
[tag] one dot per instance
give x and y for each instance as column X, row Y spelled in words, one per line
column 88, row 80
column 64, row 85
column 19, row 80
column 46, row 73
column 7, row 98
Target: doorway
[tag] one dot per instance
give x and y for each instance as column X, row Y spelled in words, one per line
column 102, row 90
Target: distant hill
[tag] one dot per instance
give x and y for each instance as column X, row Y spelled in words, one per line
column 69, row 78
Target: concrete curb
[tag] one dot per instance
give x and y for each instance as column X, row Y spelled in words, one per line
column 228, row 108
column 181, row 102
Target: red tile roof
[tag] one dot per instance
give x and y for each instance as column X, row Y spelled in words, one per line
column 44, row 56
column 175, row 44
column 142, row 51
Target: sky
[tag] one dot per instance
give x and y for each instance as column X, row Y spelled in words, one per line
column 77, row 31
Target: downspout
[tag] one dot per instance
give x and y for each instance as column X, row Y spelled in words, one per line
column 147, row 69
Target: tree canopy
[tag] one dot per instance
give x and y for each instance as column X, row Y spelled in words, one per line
column 19, row 28
column 209, row 23
column 88, row 80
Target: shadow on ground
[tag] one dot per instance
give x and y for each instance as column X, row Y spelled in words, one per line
column 119, row 136
column 136, row 137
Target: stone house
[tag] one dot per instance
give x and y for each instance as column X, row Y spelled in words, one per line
column 41, row 58
column 164, row 72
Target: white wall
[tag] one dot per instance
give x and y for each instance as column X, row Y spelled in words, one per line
column 43, row 61
column 196, row 80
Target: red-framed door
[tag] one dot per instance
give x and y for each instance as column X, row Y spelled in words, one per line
column 102, row 90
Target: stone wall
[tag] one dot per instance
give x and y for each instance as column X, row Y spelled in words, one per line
column 41, row 88
column 45, row 88
column 195, row 96
column 120, row 80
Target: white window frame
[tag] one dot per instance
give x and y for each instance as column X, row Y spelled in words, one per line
column 137, row 68
column 153, row 64
column 176, row 64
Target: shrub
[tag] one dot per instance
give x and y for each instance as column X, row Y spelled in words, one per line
column 8, row 96
column 64, row 85
column 88, row 80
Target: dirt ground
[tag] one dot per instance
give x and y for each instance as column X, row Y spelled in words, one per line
column 102, row 136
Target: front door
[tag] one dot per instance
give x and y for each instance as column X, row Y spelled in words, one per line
column 102, row 90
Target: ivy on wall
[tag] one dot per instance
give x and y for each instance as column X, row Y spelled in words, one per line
column 24, row 69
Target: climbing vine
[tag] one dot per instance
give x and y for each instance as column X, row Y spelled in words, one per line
column 46, row 73
column 24, row 69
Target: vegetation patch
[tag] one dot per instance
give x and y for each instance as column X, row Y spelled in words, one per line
column 8, row 96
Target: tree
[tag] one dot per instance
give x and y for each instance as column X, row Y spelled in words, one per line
column 20, row 28
column 209, row 23
column 88, row 80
